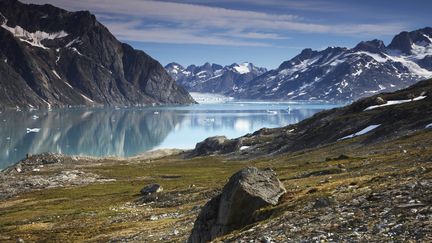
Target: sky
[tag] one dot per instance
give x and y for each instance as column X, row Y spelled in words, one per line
column 264, row 32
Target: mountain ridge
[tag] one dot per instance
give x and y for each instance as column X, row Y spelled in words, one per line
column 54, row 58
column 340, row 73
column 331, row 74
column 214, row 78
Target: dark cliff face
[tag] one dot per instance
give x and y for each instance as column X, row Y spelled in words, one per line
column 51, row 57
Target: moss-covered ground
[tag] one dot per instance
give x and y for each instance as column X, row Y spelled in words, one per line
column 110, row 210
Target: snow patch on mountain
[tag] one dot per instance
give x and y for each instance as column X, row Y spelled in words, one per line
column 32, row 38
column 243, row 68
column 395, row 102
column 363, row 131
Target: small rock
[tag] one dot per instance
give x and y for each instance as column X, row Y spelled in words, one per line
column 322, row 202
column 312, row 190
column 150, row 189
column 342, row 157
column 380, row 101
column 267, row 239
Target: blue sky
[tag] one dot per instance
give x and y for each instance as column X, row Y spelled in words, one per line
column 264, row 32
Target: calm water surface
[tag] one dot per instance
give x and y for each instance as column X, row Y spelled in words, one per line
column 130, row 131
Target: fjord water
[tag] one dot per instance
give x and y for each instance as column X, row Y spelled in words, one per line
column 126, row 132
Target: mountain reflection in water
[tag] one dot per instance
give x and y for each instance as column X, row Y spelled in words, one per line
column 130, row 131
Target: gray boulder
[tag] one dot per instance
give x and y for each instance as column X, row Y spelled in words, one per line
column 246, row 191
column 217, row 144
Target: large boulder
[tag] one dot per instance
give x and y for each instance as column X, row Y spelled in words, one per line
column 217, row 144
column 246, row 191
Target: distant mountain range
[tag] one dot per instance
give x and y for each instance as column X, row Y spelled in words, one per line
column 214, row 78
column 50, row 57
column 335, row 73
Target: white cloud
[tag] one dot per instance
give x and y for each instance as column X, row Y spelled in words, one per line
column 130, row 31
column 197, row 24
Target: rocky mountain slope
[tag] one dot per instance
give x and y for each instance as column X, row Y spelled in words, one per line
column 357, row 173
column 378, row 118
column 50, row 57
column 338, row 73
column 214, row 78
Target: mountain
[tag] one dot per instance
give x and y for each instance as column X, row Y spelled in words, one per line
column 214, row 78
column 338, row 73
column 371, row 120
column 50, row 57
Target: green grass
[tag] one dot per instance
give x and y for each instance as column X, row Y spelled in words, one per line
column 86, row 212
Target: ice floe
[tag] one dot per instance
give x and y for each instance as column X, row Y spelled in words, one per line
column 29, row 130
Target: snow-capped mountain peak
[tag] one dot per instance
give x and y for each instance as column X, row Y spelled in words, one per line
column 214, row 78
column 243, row 68
column 347, row 74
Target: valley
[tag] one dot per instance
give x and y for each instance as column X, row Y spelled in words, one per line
column 291, row 122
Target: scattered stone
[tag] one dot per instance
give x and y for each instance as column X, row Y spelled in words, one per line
column 322, row 202
column 380, row 101
column 342, row 157
column 150, row 189
column 246, row 191
column 267, row 239
column 312, row 190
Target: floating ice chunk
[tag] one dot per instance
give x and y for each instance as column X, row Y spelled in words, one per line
column 29, row 130
column 395, row 102
column 244, row 147
column 34, row 117
column 156, row 112
column 363, row 131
